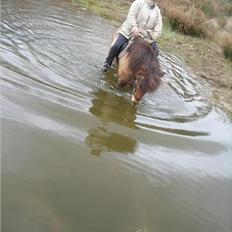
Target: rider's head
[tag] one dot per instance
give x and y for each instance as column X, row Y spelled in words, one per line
column 151, row 3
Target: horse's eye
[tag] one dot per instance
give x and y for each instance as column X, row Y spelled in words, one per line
column 141, row 84
column 137, row 79
column 140, row 81
column 140, row 78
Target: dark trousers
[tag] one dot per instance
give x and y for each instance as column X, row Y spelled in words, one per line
column 120, row 43
column 155, row 47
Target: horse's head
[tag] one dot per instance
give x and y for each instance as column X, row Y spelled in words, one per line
column 140, row 67
column 148, row 82
column 146, row 68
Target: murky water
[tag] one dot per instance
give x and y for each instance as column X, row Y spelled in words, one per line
column 77, row 156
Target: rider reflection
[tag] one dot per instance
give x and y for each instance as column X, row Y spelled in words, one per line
column 99, row 140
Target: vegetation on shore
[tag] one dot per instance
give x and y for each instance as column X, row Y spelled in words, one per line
column 198, row 31
column 202, row 18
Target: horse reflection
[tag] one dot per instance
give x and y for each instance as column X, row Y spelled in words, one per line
column 102, row 139
column 139, row 66
column 111, row 108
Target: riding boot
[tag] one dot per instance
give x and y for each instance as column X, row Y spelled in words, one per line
column 105, row 67
column 109, row 60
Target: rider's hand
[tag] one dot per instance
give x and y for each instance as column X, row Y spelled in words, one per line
column 136, row 31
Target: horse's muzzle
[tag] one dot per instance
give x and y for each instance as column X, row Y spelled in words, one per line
column 134, row 100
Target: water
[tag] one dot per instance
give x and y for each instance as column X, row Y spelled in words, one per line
column 77, row 156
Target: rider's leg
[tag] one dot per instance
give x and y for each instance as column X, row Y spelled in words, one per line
column 155, row 47
column 114, row 51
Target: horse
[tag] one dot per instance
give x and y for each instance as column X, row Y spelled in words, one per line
column 139, row 66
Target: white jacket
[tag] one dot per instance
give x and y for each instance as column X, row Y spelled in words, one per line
column 146, row 18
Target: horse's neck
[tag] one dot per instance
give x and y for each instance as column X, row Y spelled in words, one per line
column 123, row 68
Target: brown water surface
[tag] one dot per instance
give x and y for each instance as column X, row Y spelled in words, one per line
column 78, row 157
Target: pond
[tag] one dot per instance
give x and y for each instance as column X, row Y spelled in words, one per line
column 78, row 156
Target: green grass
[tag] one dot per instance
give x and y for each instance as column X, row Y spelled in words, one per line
column 114, row 11
column 228, row 53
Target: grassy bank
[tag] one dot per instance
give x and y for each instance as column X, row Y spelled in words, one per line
column 208, row 53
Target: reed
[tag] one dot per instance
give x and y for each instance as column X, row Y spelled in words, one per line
column 226, row 44
column 191, row 16
column 189, row 21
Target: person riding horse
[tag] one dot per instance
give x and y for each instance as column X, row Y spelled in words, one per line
column 144, row 19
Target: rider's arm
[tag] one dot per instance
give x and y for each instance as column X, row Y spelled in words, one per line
column 158, row 27
column 153, row 34
column 133, row 13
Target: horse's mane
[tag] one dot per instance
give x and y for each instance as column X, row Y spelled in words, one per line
column 141, row 54
column 153, row 80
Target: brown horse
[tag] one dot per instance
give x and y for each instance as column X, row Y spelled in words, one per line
column 139, row 66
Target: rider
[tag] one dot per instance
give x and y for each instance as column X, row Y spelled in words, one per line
column 144, row 19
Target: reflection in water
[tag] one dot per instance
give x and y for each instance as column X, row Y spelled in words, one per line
column 110, row 108
column 113, row 108
column 99, row 139
column 53, row 94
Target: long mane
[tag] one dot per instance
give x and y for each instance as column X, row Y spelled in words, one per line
column 139, row 53
column 142, row 56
